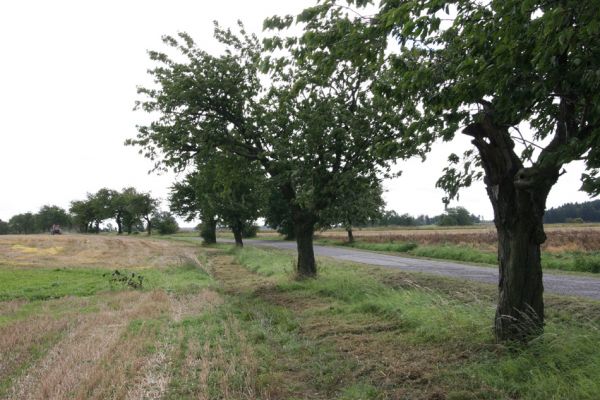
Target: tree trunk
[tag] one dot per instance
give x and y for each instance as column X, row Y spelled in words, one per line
column 237, row 234
column 518, row 196
column 119, row 224
column 304, row 227
column 350, row 235
column 208, row 231
column 148, row 225
column 520, row 310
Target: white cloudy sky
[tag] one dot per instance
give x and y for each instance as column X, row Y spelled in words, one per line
column 68, row 76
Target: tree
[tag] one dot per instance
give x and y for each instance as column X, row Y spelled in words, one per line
column 50, row 215
column 4, row 228
column 83, row 214
column 313, row 126
column 224, row 186
column 102, row 204
column 458, row 216
column 359, row 202
column 498, row 70
column 142, row 206
column 165, row 223
column 278, row 214
column 126, row 205
column 22, row 223
column 191, row 199
column 119, row 206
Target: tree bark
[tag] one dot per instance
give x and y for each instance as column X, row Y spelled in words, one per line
column 237, row 234
column 304, row 227
column 350, row 235
column 208, row 231
column 518, row 196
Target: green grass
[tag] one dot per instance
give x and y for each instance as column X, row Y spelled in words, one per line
column 562, row 364
column 567, row 261
column 45, row 283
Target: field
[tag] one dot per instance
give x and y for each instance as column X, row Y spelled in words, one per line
column 220, row 323
column 568, row 247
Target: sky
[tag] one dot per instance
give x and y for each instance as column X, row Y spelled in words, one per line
column 68, row 77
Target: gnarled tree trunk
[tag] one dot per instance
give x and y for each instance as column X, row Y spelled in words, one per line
column 518, row 196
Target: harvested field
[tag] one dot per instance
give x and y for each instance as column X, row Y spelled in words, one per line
column 89, row 251
column 560, row 238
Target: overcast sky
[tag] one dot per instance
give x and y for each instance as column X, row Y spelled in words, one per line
column 68, row 77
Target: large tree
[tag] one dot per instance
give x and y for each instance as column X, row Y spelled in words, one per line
column 309, row 125
column 520, row 78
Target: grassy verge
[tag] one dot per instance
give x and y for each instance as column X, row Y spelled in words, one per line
column 444, row 341
column 566, row 261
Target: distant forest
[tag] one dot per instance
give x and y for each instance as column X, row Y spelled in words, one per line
column 574, row 212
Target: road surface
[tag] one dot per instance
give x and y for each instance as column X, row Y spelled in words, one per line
column 570, row 285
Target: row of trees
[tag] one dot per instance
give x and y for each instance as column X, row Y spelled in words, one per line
column 326, row 112
column 456, row 216
column 39, row 222
column 129, row 208
column 584, row 212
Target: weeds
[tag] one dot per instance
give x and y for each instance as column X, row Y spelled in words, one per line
column 125, row 279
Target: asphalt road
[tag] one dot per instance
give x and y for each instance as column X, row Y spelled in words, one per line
column 570, row 285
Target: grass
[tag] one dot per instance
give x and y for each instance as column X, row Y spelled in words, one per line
column 563, row 363
column 47, row 283
column 576, row 261
column 237, row 324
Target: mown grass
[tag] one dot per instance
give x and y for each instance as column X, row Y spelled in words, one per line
column 46, row 283
column 576, row 261
column 561, row 364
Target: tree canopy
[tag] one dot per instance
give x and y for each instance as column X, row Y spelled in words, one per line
column 309, row 125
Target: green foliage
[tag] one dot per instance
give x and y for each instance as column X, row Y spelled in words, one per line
column 165, row 223
column 586, row 212
column 22, row 223
column 310, row 126
column 4, row 228
column 50, row 215
column 249, row 231
column 208, row 231
column 458, row 216
column 222, row 186
column 126, row 279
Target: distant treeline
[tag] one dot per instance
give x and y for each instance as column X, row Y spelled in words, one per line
column 574, row 212
column 452, row 217
column 131, row 210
